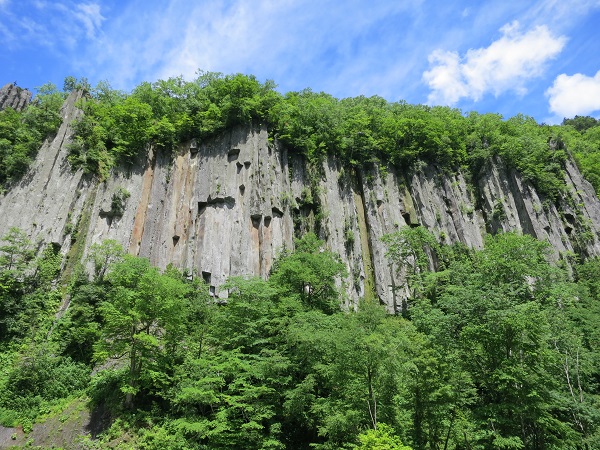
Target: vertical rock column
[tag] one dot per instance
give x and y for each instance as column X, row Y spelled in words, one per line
column 12, row 96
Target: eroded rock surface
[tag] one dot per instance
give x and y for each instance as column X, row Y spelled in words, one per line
column 15, row 97
column 50, row 194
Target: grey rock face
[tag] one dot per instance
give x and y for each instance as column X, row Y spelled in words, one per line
column 12, row 96
column 230, row 205
column 441, row 203
column 511, row 204
column 48, row 197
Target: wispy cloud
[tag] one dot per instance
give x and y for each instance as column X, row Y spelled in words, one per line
column 574, row 95
column 559, row 13
column 285, row 40
column 91, row 18
column 47, row 24
column 355, row 47
column 505, row 65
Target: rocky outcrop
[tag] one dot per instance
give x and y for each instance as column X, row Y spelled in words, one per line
column 440, row 202
column 214, row 209
column 511, row 204
column 45, row 200
column 12, row 96
column 230, row 205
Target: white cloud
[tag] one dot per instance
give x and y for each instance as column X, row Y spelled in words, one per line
column 293, row 42
column 89, row 14
column 559, row 13
column 506, row 65
column 265, row 33
column 53, row 25
column 446, row 78
column 574, row 95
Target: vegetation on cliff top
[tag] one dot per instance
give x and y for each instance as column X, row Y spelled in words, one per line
column 22, row 133
column 117, row 127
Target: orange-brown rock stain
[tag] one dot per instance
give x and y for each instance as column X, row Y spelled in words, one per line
column 140, row 215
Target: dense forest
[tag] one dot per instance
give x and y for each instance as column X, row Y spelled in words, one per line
column 499, row 347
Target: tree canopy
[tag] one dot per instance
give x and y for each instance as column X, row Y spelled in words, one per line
column 498, row 349
column 117, row 127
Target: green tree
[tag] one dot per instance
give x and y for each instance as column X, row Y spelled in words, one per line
column 79, row 328
column 496, row 309
column 308, row 122
column 103, row 255
column 70, row 83
column 381, row 438
column 144, row 319
column 416, row 254
column 230, row 384
column 309, row 273
column 351, row 372
column 22, row 133
column 16, row 283
column 581, row 123
column 17, row 252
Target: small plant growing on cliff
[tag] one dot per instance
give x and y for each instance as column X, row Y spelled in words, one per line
column 119, row 199
column 498, row 211
column 350, row 238
column 348, row 233
column 306, row 197
column 287, row 200
column 467, row 209
column 384, row 171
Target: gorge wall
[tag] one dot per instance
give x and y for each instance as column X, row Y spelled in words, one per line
column 12, row 96
column 229, row 205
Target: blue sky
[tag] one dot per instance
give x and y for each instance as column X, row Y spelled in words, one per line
column 537, row 57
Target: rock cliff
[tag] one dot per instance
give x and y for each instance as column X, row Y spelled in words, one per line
column 12, row 96
column 229, row 205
